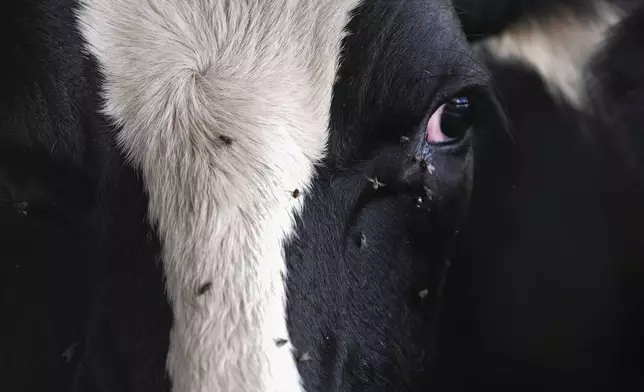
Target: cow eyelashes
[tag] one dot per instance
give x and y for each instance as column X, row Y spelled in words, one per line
column 450, row 122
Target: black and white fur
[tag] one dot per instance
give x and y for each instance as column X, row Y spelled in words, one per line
column 224, row 107
column 199, row 126
column 119, row 140
column 559, row 46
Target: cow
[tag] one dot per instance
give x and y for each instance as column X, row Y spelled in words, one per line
column 269, row 195
column 233, row 195
column 546, row 292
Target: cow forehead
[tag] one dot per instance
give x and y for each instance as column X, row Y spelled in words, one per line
column 401, row 51
column 408, row 26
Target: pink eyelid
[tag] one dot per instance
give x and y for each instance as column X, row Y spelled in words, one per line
column 434, row 133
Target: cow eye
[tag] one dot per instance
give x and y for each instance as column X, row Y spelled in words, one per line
column 450, row 122
column 456, row 118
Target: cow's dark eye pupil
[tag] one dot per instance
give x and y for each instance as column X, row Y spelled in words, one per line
column 457, row 117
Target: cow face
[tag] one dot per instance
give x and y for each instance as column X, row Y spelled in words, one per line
column 368, row 262
column 408, row 97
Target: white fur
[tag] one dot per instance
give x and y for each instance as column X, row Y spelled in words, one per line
column 559, row 47
column 180, row 73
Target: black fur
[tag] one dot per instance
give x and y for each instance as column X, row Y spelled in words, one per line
column 367, row 265
column 46, row 196
column 546, row 294
column 82, row 295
